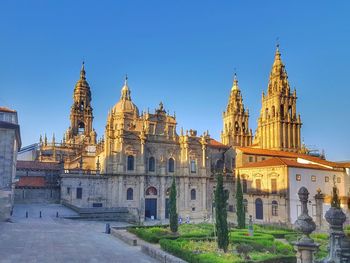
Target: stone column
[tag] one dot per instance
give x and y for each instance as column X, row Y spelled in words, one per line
column 162, row 198
column 204, row 196
column 305, row 246
column 142, row 200
column 120, row 190
column 339, row 244
column 319, row 208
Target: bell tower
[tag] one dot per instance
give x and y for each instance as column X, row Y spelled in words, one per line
column 80, row 130
column 279, row 124
column 236, row 130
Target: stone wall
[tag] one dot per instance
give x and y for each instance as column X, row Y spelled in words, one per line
column 37, row 195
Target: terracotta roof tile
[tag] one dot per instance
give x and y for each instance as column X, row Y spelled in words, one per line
column 276, row 161
column 216, row 144
column 6, row 109
column 31, row 181
column 36, row 165
column 274, row 153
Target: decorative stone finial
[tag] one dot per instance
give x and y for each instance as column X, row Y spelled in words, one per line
column 82, row 71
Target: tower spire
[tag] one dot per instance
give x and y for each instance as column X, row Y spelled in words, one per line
column 235, row 83
column 125, row 92
column 82, row 71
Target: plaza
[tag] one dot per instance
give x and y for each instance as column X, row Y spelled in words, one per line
column 51, row 239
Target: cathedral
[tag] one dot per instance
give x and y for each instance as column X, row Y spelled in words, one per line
column 130, row 168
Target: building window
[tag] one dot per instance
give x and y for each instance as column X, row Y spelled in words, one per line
column 326, row 179
column 151, row 164
column 274, row 208
column 259, row 209
column 130, row 194
column 258, row 184
column 298, row 177
column 313, row 178
column 338, row 180
column 273, row 186
column 151, row 191
column 97, row 205
column 193, row 166
column 81, row 128
column 245, row 205
column 245, row 186
column 170, row 131
column 131, row 161
column 250, row 159
column 219, row 166
column 151, row 128
column 193, row 194
column 193, row 209
column 68, row 190
column 79, row 193
column 230, row 208
column 171, row 165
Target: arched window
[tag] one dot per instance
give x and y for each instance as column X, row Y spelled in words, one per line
column 171, row 165
column 259, row 210
column 151, row 191
column 282, row 111
column 130, row 194
column 243, row 127
column 236, row 126
column 151, row 164
column 193, row 166
column 82, row 106
column 244, row 186
column 193, row 194
column 266, row 113
column 290, row 112
column 167, row 192
column 245, row 205
column 131, row 161
column 81, row 128
column 274, row 208
column 273, row 111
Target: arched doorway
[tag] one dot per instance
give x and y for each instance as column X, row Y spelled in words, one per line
column 259, row 211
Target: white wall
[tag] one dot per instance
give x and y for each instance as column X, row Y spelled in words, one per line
column 306, row 174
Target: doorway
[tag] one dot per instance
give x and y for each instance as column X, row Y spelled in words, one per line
column 151, row 208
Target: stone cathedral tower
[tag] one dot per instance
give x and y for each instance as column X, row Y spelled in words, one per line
column 279, row 124
column 80, row 130
column 236, row 130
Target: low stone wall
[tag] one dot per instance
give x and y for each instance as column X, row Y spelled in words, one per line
column 103, row 213
column 37, row 195
column 124, row 236
column 160, row 255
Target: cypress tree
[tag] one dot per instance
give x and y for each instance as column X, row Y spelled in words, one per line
column 239, row 204
column 221, row 214
column 172, row 204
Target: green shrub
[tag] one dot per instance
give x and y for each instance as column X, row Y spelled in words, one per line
column 241, row 236
column 196, row 230
column 152, row 235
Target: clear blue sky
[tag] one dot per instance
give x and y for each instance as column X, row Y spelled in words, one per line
column 180, row 52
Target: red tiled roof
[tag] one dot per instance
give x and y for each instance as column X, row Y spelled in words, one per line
column 31, row 181
column 216, row 144
column 36, row 165
column 6, row 109
column 274, row 153
column 276, row 161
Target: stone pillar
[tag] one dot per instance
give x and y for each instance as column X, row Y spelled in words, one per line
column 142, row 200
column 120, row 191
column 162, row 198
column 204, row 196
column 339, row 244
column 319, row 208
column 305, row 246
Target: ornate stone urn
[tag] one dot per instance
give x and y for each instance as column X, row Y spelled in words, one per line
column 339, row 244
column 305, row 246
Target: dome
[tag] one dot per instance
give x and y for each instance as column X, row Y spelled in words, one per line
column 125, row 104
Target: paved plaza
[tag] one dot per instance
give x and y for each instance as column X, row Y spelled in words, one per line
column 51, row 239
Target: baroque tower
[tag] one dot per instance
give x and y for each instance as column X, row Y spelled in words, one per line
column 279, row 124
column 236, row 130
column 80, row 130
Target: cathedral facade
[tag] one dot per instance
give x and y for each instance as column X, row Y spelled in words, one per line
column 131, row 167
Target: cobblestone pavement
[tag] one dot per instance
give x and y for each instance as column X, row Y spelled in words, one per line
column 51, row 239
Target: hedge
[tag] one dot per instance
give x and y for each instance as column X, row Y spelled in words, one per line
column 153, row 235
